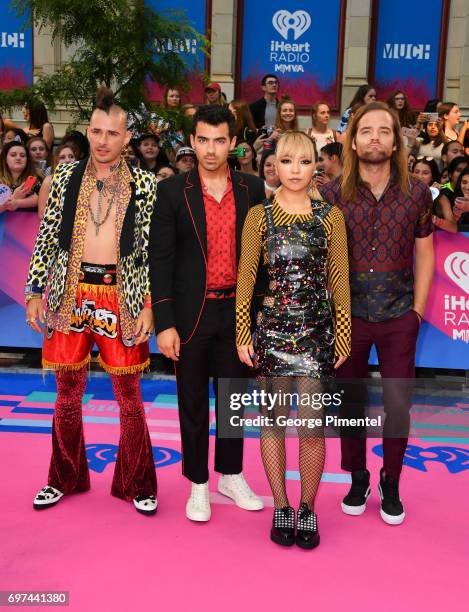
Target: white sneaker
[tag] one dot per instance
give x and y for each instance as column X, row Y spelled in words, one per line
column 234, row 486
column 198, row 504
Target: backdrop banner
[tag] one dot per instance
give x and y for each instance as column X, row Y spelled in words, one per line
column 300, row 42
column 406, row 56
column 16, row 49
column 195, row 12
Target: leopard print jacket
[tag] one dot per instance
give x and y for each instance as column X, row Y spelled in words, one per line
column 49, row 261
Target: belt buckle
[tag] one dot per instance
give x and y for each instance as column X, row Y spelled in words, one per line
column 107, row 279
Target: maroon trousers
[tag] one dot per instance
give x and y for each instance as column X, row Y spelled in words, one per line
column 395, row 341
column 134, row 472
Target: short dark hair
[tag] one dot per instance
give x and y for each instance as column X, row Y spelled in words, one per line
column 268, row 76
column 214, row 114
column 446, row 146
column 332, row 148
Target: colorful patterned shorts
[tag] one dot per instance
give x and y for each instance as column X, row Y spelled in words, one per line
column 95, row 320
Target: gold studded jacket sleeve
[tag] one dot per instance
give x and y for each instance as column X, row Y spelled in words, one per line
column 338, row 278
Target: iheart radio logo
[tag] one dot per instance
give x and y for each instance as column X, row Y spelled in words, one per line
column 457, row 268
column 299, row 22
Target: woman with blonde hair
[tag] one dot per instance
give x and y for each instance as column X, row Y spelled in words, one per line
column 320, row 131
column 302, row 335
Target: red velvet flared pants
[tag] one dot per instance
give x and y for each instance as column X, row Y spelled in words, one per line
column 134, row 472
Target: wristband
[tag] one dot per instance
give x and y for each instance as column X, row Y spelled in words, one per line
column 32, row 296
column 147, row 302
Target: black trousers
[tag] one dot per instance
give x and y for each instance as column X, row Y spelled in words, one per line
column 211, row 350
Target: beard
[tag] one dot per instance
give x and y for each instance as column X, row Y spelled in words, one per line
column 373, row 158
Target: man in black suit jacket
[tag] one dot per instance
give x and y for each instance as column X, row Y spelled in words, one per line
column 195, row 243
column 263, row 111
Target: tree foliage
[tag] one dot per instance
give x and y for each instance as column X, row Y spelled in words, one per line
column 118, row 43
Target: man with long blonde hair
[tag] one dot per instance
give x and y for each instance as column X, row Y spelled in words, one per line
column 388, row 215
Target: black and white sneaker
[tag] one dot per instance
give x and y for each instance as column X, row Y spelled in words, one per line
column 47, row 497
column 354, row 503
column 145, row 504
column 283, row 527
column 307, row 535
column 392, row 510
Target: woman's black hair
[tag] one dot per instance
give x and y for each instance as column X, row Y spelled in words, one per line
column 265, row 156
column 454, row 163
column 80, row 141
column 431, row 105
column 431, row 163
column 37, row 113
column 360, row 94
column 253, row 150
column 457, row 189
column 20, row 135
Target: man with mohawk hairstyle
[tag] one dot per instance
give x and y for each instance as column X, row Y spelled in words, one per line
column 91, row 255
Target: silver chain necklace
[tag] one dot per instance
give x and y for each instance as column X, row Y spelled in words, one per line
column 102, row 187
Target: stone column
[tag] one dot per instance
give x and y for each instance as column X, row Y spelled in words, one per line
column 356, row 52
column 456, row 84
column 223, row 50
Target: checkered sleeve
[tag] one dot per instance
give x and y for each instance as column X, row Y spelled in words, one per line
column 338, row 274
column 251, row 248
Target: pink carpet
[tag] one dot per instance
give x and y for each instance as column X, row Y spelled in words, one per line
column 111, row 558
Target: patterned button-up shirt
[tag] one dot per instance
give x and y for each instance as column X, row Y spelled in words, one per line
column 381, row 237
column 221, row 238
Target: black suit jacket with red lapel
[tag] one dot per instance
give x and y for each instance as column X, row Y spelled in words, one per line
column 178, row 248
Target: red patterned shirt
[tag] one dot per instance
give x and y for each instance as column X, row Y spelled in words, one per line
column 221, row 237
column 381, row 238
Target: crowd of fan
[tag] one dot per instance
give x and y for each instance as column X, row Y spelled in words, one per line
column 438, row 152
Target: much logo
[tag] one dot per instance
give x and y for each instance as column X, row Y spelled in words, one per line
column 406, row 51
column 284, row 21
column 13, row 39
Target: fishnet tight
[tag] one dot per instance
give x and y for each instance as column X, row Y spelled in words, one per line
column 312, row 449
